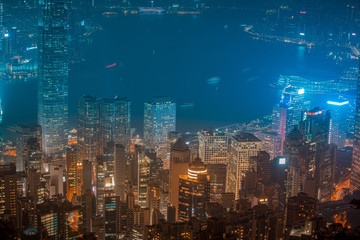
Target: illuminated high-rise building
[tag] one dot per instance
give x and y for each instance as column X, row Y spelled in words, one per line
column 107, row 122
column 299, row 208
column 53, row 77
column 122, row 122
column 315, row 125
column 172, row 138
column 243, row 147
column 159, row 120
column 294, row 97
column 56, row 171
column 50, row 220
column 115, row 122
column 1, row 134
column 8, row 190
column 338, row 127
column 28, row 145
column 72, row 172
column 297, row 152
column 109, row 160
column 355, row 166
column 214, row 150
column 88, row 127
column 87, row 176
column 282, row 121
column 34, row 159
column 111, row 215
column 213, row 147
column 194, row 192
column 262, row 165
column 100, row 186
column 1, row 121
column 326, row 162
column 120, row 171
column 180, row 155
column 272, row 143
column 217, row 173
column 143, row 177
column 88, row 206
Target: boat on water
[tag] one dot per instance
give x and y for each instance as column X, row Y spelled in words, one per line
column 151, row 10
column 110, row 14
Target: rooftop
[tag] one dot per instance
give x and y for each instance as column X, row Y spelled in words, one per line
column 180, row 145
column 160, row 100
column 212, row 132
column 246, row 137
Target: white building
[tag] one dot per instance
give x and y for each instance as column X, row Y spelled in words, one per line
column 243, row 147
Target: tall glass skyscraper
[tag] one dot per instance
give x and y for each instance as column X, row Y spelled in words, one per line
column 1, row 121
column 115, row 115
column 159, row 119
column 355, row 167
column 88, row 127
column 339, row 112
column 53, row 76
column 122, row 122
column 294, row 97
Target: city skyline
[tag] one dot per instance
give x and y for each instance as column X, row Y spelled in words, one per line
column 201, row 119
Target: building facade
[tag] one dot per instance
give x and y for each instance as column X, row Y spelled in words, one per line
column 213, row 147
column 53, row 77
column 194, row 192
column 243, row 147
column 159, row 120
column 180, row 155
column 88, row 127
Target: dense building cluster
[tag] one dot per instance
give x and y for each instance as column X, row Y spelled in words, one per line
column 293, row 178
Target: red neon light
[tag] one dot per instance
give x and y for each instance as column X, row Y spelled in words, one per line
column 112, row 65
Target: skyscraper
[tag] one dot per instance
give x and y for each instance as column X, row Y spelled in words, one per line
column 88, row 127
column 315, row 125
column 122, row 122
column 143, row 177
column 194, row 192
column 339, row 111
column 280, row 117
column 8, row 190
column 294, row 97
column 111, row 215
column 213, row 150
column 326, row 163
column 179, row 164
column 263, row 166
column 53, row 77
column 282, row 121
column 213, row 147
column 107, row 122
column 243, row 147
column 272, row 143
column 115, row 122
column 1, row 121
column 120, row 171
column 297, row 152
column 72, row 176
column 100, row 186
column 27, row 135
column 159, row 119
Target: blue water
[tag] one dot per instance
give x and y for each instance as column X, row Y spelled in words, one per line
column 217, row 73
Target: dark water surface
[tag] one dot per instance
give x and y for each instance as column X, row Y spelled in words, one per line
column 216, row 72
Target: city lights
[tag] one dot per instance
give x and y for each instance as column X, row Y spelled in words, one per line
column 197, row 119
